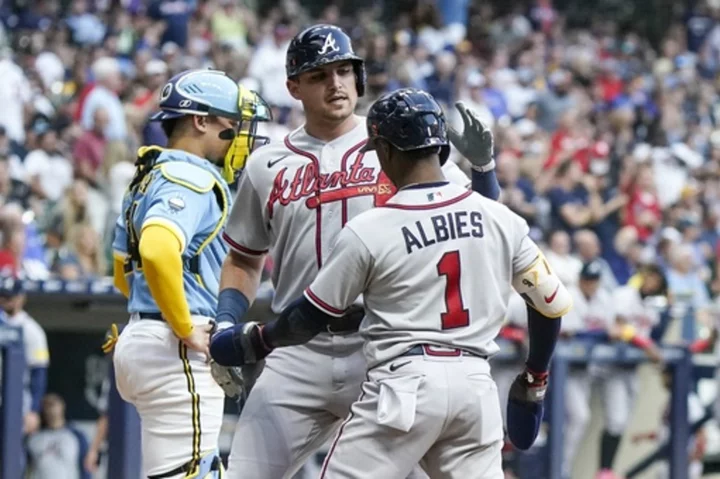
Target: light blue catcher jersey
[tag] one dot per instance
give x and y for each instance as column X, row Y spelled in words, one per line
column 184, row 193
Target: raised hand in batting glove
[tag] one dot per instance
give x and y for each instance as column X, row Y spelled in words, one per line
column 476, row 141
column 525, row 408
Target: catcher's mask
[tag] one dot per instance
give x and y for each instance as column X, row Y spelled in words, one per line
column 245, row 139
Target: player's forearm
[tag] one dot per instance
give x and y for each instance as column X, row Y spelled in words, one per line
column 297, row 324
column 119, row 279
column 38, row 386
column 160, row 251
column 486, row 183
column 543, row 333
column 239, row 281
column 100, row 432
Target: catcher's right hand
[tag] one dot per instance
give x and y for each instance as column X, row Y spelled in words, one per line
column 525, row 408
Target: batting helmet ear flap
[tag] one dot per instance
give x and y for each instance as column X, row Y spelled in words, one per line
column 360, row 77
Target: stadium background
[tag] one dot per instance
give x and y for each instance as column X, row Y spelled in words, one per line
column 644, row 72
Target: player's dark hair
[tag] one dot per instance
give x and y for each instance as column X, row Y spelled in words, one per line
column 169, row 126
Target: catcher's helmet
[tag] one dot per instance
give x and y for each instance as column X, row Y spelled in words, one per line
column 408, row 119
column 214, row 93
column 320, row 45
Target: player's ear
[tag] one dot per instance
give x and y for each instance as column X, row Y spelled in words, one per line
column 293, row 87
column 200, row 123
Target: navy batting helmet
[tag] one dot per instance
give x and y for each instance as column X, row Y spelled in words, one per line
column 408, row 119
column 320, row 45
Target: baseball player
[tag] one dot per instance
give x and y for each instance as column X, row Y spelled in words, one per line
column 37, row 355
column 591, row 317
column 428, row 395
column 168, row 253
column 294, row 198
column 634, row 320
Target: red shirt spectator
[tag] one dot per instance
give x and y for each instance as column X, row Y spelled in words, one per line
column 89, row 149
column 643, row 211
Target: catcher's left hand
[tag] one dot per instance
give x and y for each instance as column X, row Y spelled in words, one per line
column 525, row 408
column 476, row 141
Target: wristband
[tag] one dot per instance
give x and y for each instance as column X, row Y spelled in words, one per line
column 489, row 166
column 641, row 342
column 232, row 306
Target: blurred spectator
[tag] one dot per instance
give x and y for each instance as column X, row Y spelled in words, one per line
column 58, row 449
column 473, row 98
column 587, row 246
column 15, row 95
column 12, row 247
column 12, row 151
column 570, row 198
column 11, row 189
column 518, row 192
column 22, row 253
column 47, row 171
column 566, row 265
column 175, row 16
column 104, row 94
column 267, row 66
column 228, row 24
column 71, row 212
column 86, row 28
column 84, row 258
column 684, row 281
column 556, row 101
column 643, row 210
column 89, row 149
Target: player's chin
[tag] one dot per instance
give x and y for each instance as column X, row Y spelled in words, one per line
column 338, row 112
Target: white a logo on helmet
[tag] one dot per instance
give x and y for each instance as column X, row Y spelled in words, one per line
column 329, row 45
column 185, row 103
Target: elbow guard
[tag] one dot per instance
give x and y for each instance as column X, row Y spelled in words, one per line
column 542, row 289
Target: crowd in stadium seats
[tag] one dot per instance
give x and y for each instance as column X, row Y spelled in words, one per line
column 607, row 143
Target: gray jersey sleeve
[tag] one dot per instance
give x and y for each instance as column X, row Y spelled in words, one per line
column 343, row 277
column 246, row 231
column 526, row 251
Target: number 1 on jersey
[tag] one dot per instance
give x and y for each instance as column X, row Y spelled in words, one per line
column 456, row 316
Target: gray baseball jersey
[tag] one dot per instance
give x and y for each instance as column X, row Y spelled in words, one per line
column 435, row 265
column 295, row 196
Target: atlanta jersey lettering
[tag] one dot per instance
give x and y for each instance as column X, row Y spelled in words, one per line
column 434, row 265
column 295, row 196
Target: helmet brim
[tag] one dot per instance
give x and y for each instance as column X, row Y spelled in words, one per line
column 165, row 115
